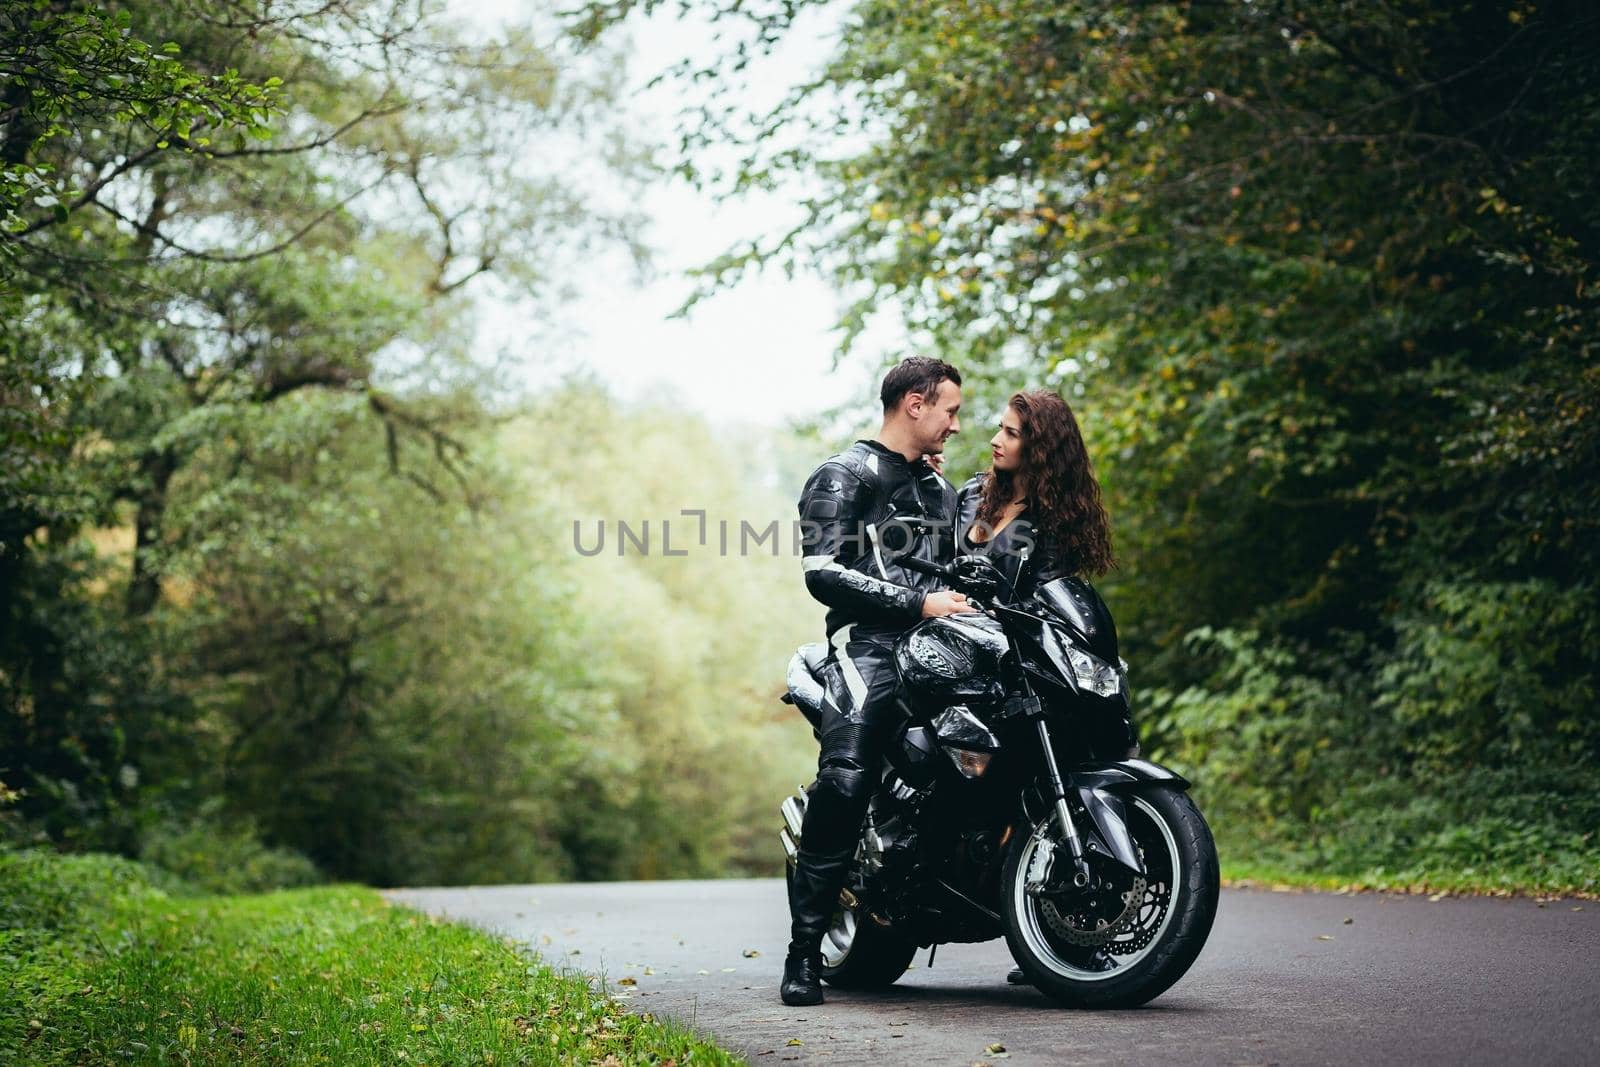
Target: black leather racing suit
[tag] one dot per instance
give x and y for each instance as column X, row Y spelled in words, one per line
column 859, row 511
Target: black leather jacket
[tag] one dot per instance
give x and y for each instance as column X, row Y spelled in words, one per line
column 1028, row 556
column 860, row 510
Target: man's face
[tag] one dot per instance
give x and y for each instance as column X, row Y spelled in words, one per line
column 936, row 420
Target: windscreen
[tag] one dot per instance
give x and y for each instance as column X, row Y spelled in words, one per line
column 1074, row 602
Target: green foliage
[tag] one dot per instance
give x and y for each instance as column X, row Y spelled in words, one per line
column 1322, row 284
column 405, row 689
column 216, row 858
column 68, row 70
column 103, row 963
column 1487, row 785
column 194, row 606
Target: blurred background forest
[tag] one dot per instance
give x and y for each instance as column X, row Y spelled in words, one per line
column 288, row 586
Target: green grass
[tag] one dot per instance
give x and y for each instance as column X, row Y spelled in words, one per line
column 107, row 961
column 1467, row 881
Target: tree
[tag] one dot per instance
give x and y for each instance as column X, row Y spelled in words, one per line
column 205, row 210
column 1322, row 284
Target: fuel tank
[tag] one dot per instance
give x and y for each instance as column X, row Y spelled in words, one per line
column 952, row 657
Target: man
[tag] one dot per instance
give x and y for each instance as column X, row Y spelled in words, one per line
column 859, row 512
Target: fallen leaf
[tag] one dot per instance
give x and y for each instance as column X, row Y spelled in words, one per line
column 727, row 970
column 992, row 1049
column 1440, row 896
column 751, row 953
column 702, row 971
column 629, row 980
column 794, row 1042
column 1349, row 921
column 649, row 970
column 1324, row 937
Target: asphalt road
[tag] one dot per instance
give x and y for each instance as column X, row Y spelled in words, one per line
column 1292, row 978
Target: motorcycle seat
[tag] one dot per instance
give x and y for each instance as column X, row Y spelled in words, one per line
column 805, row 683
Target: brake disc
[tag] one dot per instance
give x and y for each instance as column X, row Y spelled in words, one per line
column 1157, row 897
column 1080, row 924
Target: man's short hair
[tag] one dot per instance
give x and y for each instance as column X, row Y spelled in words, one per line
column 919, row 374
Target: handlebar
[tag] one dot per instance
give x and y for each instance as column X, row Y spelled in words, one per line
column 975, row 576
column 912, row 563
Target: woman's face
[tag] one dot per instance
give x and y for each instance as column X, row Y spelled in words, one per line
column 1006, row 444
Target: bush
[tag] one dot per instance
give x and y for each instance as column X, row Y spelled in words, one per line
column 217, row 858
column 1443, row 763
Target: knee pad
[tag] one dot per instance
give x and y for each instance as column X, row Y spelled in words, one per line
column 847, row 783
column 844, row 747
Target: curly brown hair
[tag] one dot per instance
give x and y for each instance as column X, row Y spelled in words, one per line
column 1063, row 496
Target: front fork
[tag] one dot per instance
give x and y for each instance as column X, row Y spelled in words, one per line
column 1058, row 791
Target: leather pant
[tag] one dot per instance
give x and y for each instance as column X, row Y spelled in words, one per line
column 859, row 710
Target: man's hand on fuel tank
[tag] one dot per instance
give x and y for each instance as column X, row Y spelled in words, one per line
column 945, row 602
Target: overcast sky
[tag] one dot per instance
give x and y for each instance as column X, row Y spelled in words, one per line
column 758, row 352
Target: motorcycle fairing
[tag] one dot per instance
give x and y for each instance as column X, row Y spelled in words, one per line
column 1040, row 648
column 1076, row 603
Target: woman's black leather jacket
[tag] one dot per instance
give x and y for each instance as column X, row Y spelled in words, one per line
column 1026, row 554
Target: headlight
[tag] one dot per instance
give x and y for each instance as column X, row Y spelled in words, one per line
column 1099, row 678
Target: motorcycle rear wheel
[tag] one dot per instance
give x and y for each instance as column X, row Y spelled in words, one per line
column 858, row 953
column 1165, row 936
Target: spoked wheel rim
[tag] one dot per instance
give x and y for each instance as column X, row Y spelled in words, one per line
column 840, row 936
column 1138, row 937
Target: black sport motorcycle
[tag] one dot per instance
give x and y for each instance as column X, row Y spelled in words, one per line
column 1012, row 803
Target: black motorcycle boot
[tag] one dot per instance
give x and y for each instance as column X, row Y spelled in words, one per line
column 802, row 978
column 814, row 886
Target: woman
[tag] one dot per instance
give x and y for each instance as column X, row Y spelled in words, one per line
column 1037, row 512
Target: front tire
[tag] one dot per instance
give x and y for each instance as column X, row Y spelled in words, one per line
column 858, row 953
column 1150, row 951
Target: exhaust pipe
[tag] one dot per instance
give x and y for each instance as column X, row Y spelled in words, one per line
column 791, row 851
column 794, row 813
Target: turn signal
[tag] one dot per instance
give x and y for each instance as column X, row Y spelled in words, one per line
column 970, row 764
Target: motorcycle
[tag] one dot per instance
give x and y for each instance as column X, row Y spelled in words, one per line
column 1012, row 803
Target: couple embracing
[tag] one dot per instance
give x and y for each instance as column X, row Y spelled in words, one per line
column 1036, row 514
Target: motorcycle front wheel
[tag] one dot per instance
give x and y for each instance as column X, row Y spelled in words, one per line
column 1130, row 944
column 859, row 953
